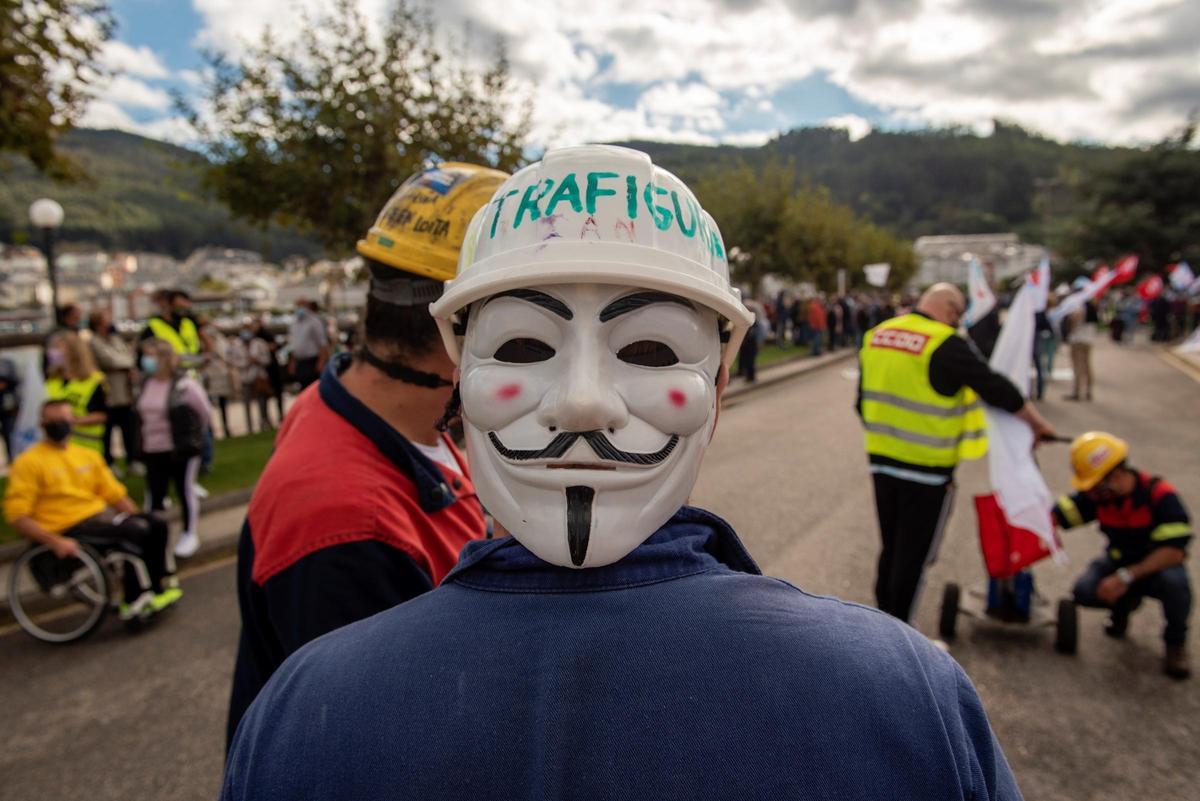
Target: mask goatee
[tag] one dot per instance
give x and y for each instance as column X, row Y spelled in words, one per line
column 579, row 522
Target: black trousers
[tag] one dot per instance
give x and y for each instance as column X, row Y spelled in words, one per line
column 123, row 419
column 911, row 518
column 747, row 356
column 306, row 371
column 143, row 536
column 164, row 469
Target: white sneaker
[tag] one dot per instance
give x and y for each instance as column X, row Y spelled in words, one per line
column 201, row 492
column 187, row 545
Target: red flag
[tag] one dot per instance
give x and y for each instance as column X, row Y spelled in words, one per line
column 1150, row 287
column 1102, row 277
column 1006, row 548
column 1126, row 269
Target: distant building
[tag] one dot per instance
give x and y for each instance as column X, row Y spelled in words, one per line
column 945, row 258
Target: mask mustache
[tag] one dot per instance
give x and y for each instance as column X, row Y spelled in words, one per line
column 595, row 440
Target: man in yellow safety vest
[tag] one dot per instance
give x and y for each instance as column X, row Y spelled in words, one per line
column 173, row 324
column 921, row 390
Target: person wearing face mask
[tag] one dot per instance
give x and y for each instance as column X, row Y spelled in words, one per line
column 174, row 325
column 71, row 375
column 249, row 356
column 116, row 359
column 308, row 345
column 920, row 393
column 174, row 416
column 59, row 493
column 1148, row 531
column 364, row 503
column 619, row 644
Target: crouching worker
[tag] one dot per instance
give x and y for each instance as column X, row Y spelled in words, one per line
column 619, row 644
column 1148, row 531
column 60, row 493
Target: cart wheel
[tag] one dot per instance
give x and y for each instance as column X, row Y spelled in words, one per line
column 949, row 616
column 1066, row 639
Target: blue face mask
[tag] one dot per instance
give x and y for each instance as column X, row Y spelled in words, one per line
column 301, row 313
column 246, row 336
column 149, row 365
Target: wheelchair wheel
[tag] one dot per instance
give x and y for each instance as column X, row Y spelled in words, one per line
column 59, row 600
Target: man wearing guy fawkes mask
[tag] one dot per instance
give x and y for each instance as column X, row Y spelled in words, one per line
column 619, row 644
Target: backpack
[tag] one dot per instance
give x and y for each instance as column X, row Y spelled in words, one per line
column 187, row 426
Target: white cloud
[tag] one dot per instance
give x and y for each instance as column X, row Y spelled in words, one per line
column 855, row 125
column 140, row 61
column 131, row 93
column 1108, row 70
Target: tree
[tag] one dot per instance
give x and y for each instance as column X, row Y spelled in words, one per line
column 798, row 233
column 1147, row 204
column 48, row 65
column 320, row 131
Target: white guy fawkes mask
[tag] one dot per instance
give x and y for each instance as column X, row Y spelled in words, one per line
column 587, row 409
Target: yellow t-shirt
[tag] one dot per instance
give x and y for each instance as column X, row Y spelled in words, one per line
column 59, row 487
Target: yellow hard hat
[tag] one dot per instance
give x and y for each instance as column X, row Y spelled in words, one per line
column 1093, row 456
column 422, row 225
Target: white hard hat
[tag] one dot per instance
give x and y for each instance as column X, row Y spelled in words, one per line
column 594, row 214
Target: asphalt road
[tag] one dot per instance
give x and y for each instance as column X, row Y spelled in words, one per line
column 120, row 716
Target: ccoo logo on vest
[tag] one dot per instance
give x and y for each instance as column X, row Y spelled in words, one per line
column 634, row 200
column 900, row 339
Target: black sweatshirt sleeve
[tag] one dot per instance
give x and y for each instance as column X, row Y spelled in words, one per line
column 338, row 585
column 955, row 365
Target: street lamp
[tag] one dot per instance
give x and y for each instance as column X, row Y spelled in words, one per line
column 48, row 215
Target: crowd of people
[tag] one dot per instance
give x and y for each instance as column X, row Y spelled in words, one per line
column 160, row 401
column 818, row 321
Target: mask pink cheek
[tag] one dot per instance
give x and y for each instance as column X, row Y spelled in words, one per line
column 677, row 398
column 507, row 392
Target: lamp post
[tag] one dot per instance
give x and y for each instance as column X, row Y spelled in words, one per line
column 47, row 215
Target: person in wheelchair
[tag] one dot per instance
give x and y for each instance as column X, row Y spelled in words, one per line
column 61, row 494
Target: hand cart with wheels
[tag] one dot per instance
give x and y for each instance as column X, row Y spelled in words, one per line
column 1010, row 597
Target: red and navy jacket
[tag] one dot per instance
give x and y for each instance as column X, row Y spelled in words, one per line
column 1150, row 517
column 347, row 520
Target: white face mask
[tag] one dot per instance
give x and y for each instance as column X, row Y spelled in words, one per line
column 632, row 371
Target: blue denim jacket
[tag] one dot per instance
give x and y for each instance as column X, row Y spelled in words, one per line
column 679, row 672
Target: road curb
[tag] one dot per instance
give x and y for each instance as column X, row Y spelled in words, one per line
column 9, row 551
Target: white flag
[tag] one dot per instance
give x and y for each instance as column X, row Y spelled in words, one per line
column 981, row 300
column 27, row 428
column 1020, row 489
column 1182, row 276
column 1087, row 289
column 1039, row 280
column 877, row 274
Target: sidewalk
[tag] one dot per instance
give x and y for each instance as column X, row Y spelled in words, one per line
column 222, row 516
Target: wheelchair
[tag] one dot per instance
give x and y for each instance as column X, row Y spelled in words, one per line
column 64, row 600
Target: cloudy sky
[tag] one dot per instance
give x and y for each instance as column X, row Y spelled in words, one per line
column 740, row 71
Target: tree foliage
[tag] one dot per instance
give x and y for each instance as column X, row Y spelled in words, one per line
column 798, row 233
column 48, row 63
column 1148, row 204
column 320, row 131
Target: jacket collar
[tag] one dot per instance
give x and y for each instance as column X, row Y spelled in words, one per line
column 432, row 491
column 692, row 541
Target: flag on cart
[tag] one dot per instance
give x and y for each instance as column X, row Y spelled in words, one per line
column 1007, row 549
column 27, row 427
column 1020, row 490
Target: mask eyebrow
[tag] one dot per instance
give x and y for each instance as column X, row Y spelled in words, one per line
column 637, row 301
column 551, row 304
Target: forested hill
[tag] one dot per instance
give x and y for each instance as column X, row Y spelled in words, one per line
column 144, row 194
column 139, row 194
column 922, row 182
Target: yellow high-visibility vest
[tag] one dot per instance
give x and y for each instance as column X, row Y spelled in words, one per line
column 904, row 416
column 79, row 395
column 185, row 341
